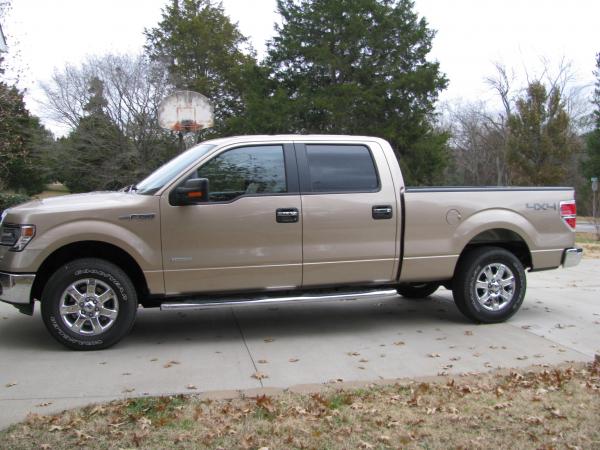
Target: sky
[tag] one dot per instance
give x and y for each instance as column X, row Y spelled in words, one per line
column 471, row 36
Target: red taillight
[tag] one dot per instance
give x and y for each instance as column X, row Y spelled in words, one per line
column 568, row 212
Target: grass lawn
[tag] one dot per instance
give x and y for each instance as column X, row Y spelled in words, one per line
column 544, row 407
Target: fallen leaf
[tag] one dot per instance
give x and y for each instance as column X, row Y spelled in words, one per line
column 468, row 333
column 534, row 420
column 269, row 339
column 259, row 375
column 363, row 360
column 154, row 359
column 353, row 354
column 502, row 405
column 399, row 343
column 144, row 423
column 265, row 402
column 526, row 327
column 8, row 385
column 82, row 435
column 262, row 361
column 191, row 387
column 293, row 360
column 384, row 439
column 557, row 414
column 41, row 405
column 522, row 358
column 433, row 355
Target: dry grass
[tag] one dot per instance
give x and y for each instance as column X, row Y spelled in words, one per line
column 539, row 408
column 590, row 244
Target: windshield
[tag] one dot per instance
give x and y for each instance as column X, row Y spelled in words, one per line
column 161, row 176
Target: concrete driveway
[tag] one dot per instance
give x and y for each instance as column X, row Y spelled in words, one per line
column 220, row 350
column 585, row 227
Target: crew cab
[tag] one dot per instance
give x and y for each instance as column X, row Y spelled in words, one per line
column 260, row 219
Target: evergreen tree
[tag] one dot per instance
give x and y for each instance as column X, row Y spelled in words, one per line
column 359, row 67
column 23, row 142
column 96, row 155
column 203, row 52
column 541, row 142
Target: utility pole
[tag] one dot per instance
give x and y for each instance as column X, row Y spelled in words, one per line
column 594, row 206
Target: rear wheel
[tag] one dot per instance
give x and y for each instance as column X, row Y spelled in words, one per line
column 89, row 304
column 417, row 290
column 489, row 285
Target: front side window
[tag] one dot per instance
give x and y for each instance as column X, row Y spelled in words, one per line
column 245, row 171
column 341, row 168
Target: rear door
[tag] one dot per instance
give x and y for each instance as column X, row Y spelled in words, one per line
column 349, row 213
column 248, row 235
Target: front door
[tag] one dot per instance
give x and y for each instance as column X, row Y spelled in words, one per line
column 248, row 235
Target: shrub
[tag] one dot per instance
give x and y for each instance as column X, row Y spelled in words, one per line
column 7, row 200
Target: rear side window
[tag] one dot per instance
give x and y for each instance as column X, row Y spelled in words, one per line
column 341, row 168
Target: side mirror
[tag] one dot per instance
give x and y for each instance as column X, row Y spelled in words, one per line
column 191, row 192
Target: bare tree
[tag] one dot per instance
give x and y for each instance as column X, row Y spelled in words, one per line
column 480, row 132
column 133, row 88
column 476, row 143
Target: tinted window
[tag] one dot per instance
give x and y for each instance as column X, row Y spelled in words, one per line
column 245, row 170
column 341, row 168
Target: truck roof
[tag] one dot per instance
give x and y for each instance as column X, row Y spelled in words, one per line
column 293, row 137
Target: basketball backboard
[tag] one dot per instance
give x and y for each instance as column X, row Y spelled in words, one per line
column 185, row 111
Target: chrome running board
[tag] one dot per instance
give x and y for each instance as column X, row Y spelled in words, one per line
column 220, row 302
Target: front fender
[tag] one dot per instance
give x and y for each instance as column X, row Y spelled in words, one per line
column 143, row 244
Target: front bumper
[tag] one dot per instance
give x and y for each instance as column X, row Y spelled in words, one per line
column 16, row 288
column 572, row 257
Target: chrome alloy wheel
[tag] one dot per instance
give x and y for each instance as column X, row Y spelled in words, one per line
column 495, row 287
column 89, row 307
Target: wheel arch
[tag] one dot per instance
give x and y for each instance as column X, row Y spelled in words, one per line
column 90, row 249
column 505, row 238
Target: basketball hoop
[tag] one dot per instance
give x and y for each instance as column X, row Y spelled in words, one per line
column 185, row 112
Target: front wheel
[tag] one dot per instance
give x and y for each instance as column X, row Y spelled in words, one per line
column 489, row 285
column 417, row 290
column 89, row 304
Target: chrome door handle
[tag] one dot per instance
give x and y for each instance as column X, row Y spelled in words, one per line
column 382, row 212
column 287, row 215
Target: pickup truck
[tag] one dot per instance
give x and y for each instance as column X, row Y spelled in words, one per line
column 259, row 219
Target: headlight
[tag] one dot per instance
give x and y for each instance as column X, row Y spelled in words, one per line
column 16, row 236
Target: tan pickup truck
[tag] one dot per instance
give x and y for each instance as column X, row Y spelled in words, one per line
column 259, row 219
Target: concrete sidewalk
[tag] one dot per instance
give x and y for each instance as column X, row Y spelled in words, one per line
column 220, row 350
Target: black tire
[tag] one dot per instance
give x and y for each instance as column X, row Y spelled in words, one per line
column 417, row 290
column 504, row 297
column 107, row 286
